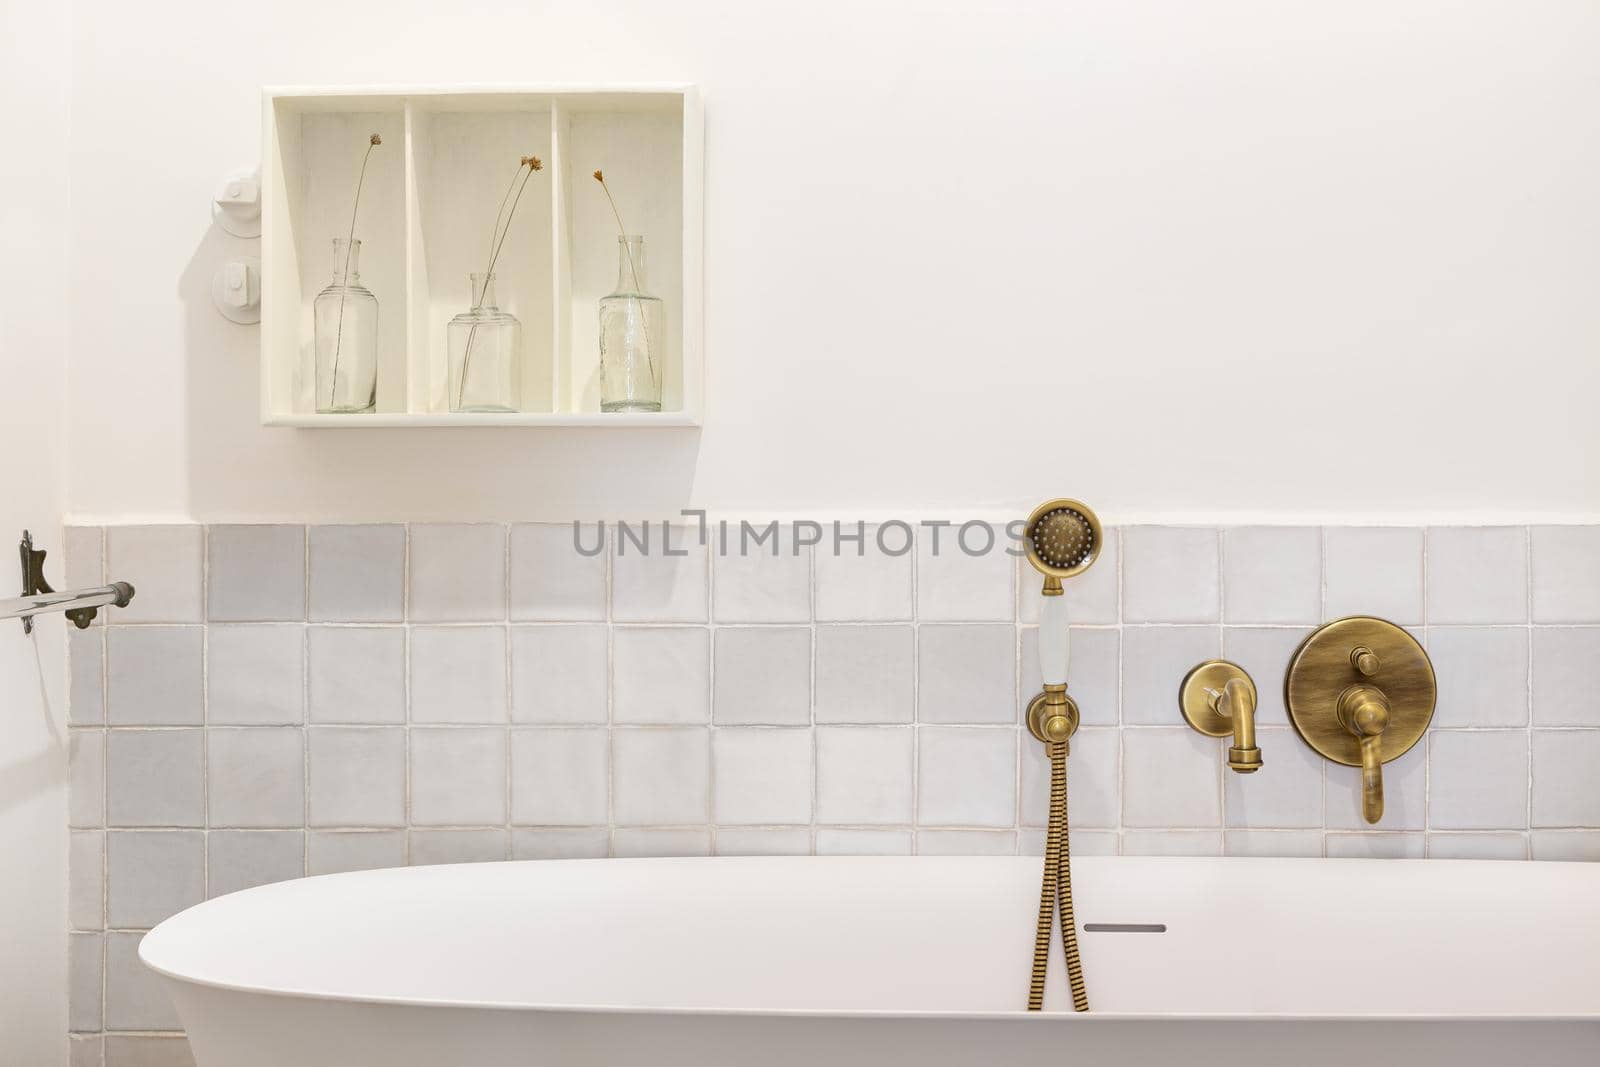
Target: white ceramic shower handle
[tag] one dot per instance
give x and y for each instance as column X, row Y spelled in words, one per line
column 1053, row 640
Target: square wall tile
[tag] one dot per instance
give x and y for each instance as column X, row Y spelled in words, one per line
column 1172, row 843
column 1374, row 570
column 84, row 981
column 662, row 675
column 146, row 1050
column 336, row 851
column 1264, row 653
column 560, row 844
column 658, row 577
column 458, row 674
column 86, row 776
column 1170, row 778
column 86, row 880
column 458, row 846
column 458, row 777
column 763, row 676
column 1154, row 661
column 1094, row 779
column 1093, row 597
column 838, row 842
column 1477, row 574
column 1478, row 780
column 458, row 572
column 558, row 674
column 560, row 777
column 358, row 775
column 153, row 874
column 1566, row 677
column 1375, row 846
column 864, row 774
column 1480, row 846
column 256, row 574
column 552, row 580
column 84, row 549
column 1405, row 787
column 1300, row 844
column 86, row 697
column 661, row 777
column 1579, row 846
column 786, row 842
column 1566, row 573
column 135, row 996
column 1094, row 672
column 966, row 776
column 88, row 1050
column 964, row 573
column 153, row 778
column 154, row 676
column 634, row 844
column 256, row 777
column 865, row 582
column 255, row 675
column 1566, row 768
column 358, row 674
column 1171, row 574
column 766, row 583
column 966, row 843
column 244, row 859
column 1272, row 574
column 967, row 674
column 865, row 674
column 1285, row 793
column 358, row 573
column 164, row 566
column 762, row 777
column 1482, row 675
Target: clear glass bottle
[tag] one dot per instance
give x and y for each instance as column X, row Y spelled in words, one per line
column 345, row 336
column 632, row 336
column 485, row 354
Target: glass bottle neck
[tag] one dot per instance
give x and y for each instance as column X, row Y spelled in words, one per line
column 346, row 262
column 482, row 291
column 630, row 264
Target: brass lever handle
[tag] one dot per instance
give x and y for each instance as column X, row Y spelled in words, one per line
column 1364, row 711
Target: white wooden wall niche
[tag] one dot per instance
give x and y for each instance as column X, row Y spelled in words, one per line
column 427, row 210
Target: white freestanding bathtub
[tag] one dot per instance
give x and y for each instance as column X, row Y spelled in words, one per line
column 924, row 961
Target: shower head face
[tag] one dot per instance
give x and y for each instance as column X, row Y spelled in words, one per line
column 1063, row 538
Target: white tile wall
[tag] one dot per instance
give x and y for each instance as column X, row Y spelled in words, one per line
column 298, row 700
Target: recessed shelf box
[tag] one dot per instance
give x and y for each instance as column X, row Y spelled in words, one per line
column 427, row 210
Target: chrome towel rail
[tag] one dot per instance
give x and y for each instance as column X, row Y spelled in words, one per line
column 80, row 605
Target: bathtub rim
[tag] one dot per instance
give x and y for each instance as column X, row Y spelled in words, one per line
column 1056, row 1013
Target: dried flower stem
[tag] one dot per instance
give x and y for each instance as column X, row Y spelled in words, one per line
column 344, row 276
column 622, row 231
column 532, row 163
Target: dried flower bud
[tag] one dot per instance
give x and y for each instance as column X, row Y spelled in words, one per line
column 536, row 163
column 375, row 139
column 601, row 178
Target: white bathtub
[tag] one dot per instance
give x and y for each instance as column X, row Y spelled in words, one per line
column 922, row 961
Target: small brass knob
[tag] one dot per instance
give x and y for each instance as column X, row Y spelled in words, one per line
column 1364, row 660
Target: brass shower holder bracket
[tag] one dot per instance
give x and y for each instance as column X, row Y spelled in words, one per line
column 1361, row 691
column 1053, row 715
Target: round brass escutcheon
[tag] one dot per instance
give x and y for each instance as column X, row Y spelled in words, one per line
column 1196, row 700
column 1040, row 712
column 1323, row 669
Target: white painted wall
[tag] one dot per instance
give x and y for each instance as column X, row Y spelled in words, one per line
column 33, row 338
column 1241, row 257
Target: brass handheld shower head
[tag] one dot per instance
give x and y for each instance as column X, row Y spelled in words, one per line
column 1062, row 538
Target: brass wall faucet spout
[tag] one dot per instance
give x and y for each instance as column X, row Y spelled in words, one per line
column 1218, row 698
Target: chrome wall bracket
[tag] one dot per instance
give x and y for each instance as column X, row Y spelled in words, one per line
column 80, row 605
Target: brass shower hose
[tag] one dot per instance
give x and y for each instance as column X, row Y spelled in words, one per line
column 1056, row 891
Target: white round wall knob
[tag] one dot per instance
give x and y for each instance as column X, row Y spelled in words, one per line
column 236, row 207
column 236, row 290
